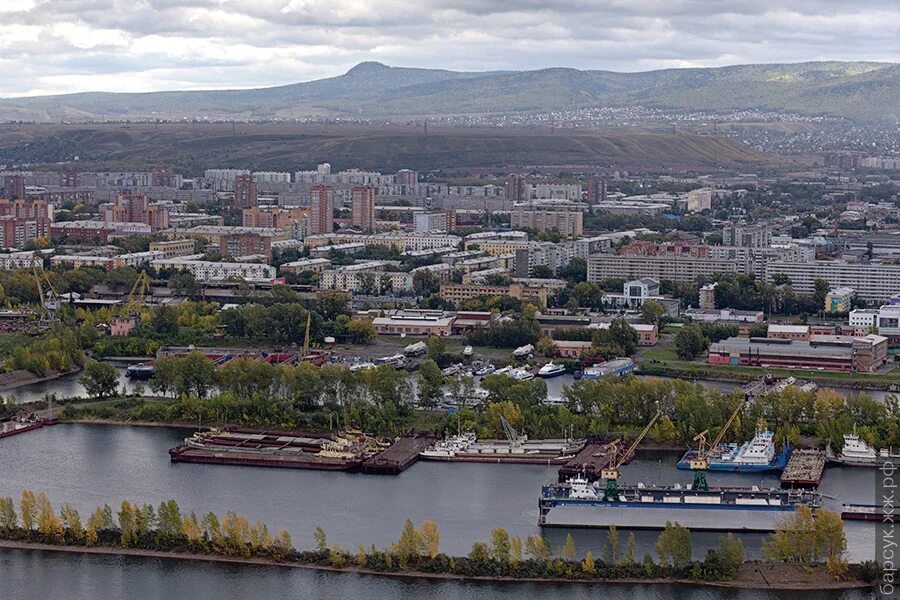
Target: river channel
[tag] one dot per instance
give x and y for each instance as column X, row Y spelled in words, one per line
column 90, row 465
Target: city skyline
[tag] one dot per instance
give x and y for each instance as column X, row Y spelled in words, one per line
column 46, row 48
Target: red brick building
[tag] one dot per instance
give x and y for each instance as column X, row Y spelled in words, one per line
column 363, row 208
column 321, row 209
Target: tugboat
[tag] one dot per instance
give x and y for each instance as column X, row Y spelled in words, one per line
column 757, row 456
column 857, row 453
column 551, row 370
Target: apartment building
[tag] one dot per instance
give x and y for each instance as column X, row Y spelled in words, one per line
column 362, row 208
column 173, row 248
column 685, row 269
column 321, row 209
column 568, row 223
column 208, row 271
column 312, row 265
column 245, row 195
column 132, row 207
column 293, row 220
column 458, row 292
column 366, row 278
column 873, row 282
column 18, row 260
column 700, row 199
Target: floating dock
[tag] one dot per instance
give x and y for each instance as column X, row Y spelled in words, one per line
column 590, row 461
column 400, row 456
column 804, row 469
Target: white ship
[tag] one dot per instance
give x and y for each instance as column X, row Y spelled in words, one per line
column 521, row 375
column 857, row 453
column 551, row 370
column 450, row 447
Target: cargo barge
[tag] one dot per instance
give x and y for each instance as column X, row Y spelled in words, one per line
column 517, row 449
column 277, row 449
column 402, row 454
column 862, row 512
column 580, row 503
column 16, row 426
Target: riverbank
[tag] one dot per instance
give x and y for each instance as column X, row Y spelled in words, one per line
column 696, row 371
column 20, row 378
column 751, row 575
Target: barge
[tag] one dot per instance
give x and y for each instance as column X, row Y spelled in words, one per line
column 862, row 512
column 580, row 503
column 277, row 449
column 22, row 425
column 465, row 447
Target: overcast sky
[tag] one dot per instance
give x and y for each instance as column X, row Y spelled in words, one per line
column 59, row 46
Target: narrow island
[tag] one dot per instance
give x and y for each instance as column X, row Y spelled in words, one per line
column 804, row 553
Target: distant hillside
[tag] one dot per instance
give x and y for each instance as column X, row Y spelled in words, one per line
column 195, row 147
column 857, row 90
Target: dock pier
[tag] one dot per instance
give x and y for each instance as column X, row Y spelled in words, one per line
column 590, row 461
column 400, row 456
column 804, row 469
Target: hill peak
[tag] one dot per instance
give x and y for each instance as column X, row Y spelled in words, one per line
column 368, row 67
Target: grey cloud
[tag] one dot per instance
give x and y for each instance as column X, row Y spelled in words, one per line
column 245, row 43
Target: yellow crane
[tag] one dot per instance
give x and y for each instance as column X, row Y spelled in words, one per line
column 138, row 293
column 612, row 473
column 700, row 461
column 306, row 338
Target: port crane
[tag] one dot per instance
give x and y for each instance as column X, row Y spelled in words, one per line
column 50, row 302
column 515, row 440
column 700, row 461
column 612, row 473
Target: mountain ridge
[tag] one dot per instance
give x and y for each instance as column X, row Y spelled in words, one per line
column 864, row 91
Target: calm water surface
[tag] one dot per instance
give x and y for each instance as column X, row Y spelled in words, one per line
column 91, row 465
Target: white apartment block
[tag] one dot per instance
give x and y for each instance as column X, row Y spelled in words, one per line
column 207, row 271
column 686, row 269
column 873, row 282
column 366, row 278
column 17, row 260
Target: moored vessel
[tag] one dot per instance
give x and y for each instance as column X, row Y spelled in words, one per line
column 757, row 455
column 580, row 503
column 551, row 370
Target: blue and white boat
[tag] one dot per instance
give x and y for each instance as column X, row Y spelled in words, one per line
column 756, row 456
column 580, row 503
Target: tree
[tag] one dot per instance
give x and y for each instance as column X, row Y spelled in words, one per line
column 653, row 312
column 674, row 546
column 165, row 320
column 611, row 551
column 542, row 272
column 28, row 509
column 409, row 547
column 587, row 565
column 690, row 341
column 546, row 346
column 537, row 548
column 630, row 549
column 831, row 541
column 321, row 539
column 500, row 547
column 568, row 551
column 8, row 517
column 731, row 554
column 437, row 347
column 361, row 331
column 479, row 554
column 71, row 521
column 430, row 381
column 431, row 538
column 515, row 550
column 794, row 540
column 100, row 380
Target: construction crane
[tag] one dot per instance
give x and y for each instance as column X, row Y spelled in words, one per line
column 137, row 293
column 700, row 461
column 612, row 473
column 306, row 338
column 515, row 440
column 50, row 302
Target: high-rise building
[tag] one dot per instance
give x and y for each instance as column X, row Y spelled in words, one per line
column 14, row 187
column 132, row 207
column 407, row 177
column 515, row 187
column 162, row 177
column 321, row 209
column 68, row 179
column 596, row 190
column 746, row 236
column 244, row 191
column 700, row 199
column 363, row 207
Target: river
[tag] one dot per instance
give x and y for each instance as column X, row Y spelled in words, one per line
column 93, row 464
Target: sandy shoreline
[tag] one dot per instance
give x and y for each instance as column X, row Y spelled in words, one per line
column 813, row 582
